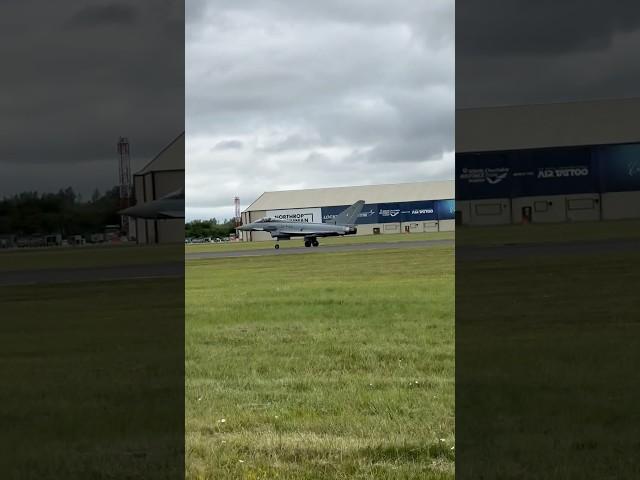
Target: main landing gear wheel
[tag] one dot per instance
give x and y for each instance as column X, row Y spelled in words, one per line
column 277, row 246
column 307, row 243
column 315, row 243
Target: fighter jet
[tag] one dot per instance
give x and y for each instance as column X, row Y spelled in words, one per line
column 344, row 224
column 169, row 206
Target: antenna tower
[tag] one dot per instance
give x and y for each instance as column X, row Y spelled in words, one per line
column 124, row 172
column 236, row 207
column 124, row 177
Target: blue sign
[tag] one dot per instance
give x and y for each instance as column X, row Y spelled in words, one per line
column 397, row 212
column 485, row 175
column 619, row 167
column 446, row 209
column 369, row 213
column 406, row 211
column 522, row 173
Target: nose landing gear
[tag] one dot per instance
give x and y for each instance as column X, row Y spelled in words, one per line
column 277, row 246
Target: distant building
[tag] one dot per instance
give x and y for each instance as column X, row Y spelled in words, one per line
column 161, row 176
column 392, row 208
column 564, row 162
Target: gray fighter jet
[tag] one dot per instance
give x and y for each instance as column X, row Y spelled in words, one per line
column 343, row 224
column 169, row 206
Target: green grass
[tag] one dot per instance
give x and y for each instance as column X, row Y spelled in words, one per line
column 87, row 256
column 547, row 350
column 91, row 383
column 549, row 232
column 328, row 366
column 298, row 242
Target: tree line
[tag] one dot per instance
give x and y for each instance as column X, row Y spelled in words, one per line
column 67, row 213
column 209, row 228
column 64, row 212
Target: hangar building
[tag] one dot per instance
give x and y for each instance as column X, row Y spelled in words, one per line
column 563, row 162
column 394, row 208
column 161, row 176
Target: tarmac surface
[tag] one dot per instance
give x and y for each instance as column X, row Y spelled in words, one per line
column 93, row 274
column 556, row 249
column 315, row 250
column 176, row 269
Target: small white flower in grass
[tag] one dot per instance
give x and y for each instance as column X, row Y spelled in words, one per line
column 276, row 416
column 241, row 461
column 199, row 398
column 222, row 420
column 452, row 448
column 417, row 382
column 442, row 440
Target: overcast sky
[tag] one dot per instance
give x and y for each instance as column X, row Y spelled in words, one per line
column 77, row 75
column 283, row 94
column 520, row 51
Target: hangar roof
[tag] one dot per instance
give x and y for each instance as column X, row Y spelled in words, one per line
column 170, row 157
column 325, row 197
column 515, row 127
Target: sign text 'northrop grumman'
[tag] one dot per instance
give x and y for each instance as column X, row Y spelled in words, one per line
column 303, row 215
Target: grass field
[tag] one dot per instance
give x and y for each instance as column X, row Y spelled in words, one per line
column 91, row 383
column 87, row 256
column 298, row 242
column 547, row 349
column 330, row 366
column 549, row 232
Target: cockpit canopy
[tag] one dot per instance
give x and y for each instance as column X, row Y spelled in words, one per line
column 266, row 220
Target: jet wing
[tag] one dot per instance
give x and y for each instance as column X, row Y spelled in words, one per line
column 162, row 208
column 171, row 214
column 150, row 213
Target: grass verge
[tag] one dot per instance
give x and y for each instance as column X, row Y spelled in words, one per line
column 87, row 256
column 298, row 242
column 329, row 366
column 91, row 383
column 549, row 232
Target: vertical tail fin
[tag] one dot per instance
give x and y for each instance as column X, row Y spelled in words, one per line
column 350, row 215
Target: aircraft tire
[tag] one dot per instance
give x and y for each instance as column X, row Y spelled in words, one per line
column 307, row 243
column 315, row 243
column 277, row 246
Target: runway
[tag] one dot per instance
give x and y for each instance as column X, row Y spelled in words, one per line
column 556, row 249
column 93, row 274
column 317, row 250
column 465, row 252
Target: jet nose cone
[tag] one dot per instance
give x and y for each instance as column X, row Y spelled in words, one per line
column 132, row 211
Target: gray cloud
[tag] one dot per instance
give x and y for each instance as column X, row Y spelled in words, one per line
column 80, row 77
column 535, row 52
column 319, row 93
column 99, row 15
column 495, row 28
column 228, row 145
